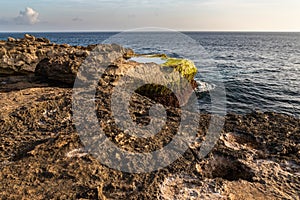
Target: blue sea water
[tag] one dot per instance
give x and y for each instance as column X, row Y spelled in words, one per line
column 260, row 71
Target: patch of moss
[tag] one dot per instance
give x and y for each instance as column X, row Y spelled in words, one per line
column 185, row 67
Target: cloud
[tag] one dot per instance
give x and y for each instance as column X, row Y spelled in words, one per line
column 27, row 17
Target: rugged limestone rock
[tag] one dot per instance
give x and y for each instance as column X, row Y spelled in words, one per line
column 43, row 157
column 185, row 67
column 41, row 154
column 179, row 86
column 59, row 64
column 64, row 68
column 21, row 56
column 257, row 157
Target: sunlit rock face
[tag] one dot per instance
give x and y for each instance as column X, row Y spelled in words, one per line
column 179, row 85
column 43, row 157
column 185, row 67
column 21, row 56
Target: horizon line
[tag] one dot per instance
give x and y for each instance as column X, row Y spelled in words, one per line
column 133, row 30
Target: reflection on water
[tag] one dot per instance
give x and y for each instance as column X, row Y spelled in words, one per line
column 142, row 59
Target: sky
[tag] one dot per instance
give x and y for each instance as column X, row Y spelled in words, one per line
column 118, row 15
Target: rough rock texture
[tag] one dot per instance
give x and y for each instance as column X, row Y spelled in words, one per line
column 257, row 157
column 59, row 64
column 21, row 56
column 42, row 155
column 64, row 68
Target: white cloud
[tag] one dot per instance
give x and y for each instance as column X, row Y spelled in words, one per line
column 27, row 17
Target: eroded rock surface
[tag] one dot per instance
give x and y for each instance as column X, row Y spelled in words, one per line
column 21, row 56
column 257, row 157
column 43, row 157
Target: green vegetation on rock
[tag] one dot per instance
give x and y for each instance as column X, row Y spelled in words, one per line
column 180, row 85
column 185, row 67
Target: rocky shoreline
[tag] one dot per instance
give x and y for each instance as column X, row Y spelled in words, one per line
column 42, row 156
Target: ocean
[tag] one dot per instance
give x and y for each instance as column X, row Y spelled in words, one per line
column 260, row 71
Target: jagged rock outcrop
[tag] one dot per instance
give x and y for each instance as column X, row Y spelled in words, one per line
column 59, row 64
column 21, row 56
column 42, row 155
column 64, row 68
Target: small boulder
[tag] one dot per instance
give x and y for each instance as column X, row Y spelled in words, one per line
column 43, row 40
column 11, row 39
column 129, row 54
column 29, row 37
